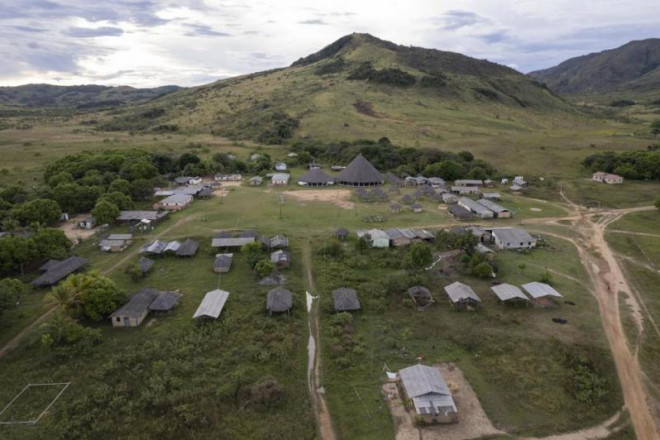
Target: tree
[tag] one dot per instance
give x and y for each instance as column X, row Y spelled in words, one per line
column 466, row 156
column 450, row 170
column 52, row 243
column 120, row 199
column 58, row 178
column 134, row 272
column 482, row 270
column 15, row 251
column 42, row 211
column 11, row 291
column 120, row 185
column 263, row 267
column 419, row 256
column 655, row 127
column 657, row 202
column 105, row 212
column 100, row 297
column 187, row 158
column 141, row 189
column 522, row 267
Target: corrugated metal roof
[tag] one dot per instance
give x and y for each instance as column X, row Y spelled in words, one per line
column 280, row 256
column 475, row 207
column 140, row 215
column 177, row 199
column 495, row 207
column 460, row 292
column 172, row 246
column 538, row 290
column 506, row 292
column 223, row 261
column 512, row 235
column 138, row 304
column 188, row 248
column 155, row 247
column 120, row 237
column 212, row 304
column 231, row 242
column 422, row 380
column 57, row 270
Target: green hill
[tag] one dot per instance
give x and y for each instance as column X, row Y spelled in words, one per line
column 633, row 67
column 80, row 97
column 358, row 87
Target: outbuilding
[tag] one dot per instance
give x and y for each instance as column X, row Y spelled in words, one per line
column 212, row 304
column 279, row 300
column 280, row 179
column 499, row 210
column 462, row 294
column 281, row 259
column 175, row 202
column 135, row 310
column 539, row 290
column 222, row 263
column 509, row 293
column 513, row 238
column 87, row 223
column 429, row 394
column 345, row 299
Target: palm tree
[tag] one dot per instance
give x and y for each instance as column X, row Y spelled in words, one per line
column 66, row 295
column 57, row 326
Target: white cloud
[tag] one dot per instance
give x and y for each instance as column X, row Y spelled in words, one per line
column 189, row 42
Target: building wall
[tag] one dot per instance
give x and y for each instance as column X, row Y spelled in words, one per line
column 516, row 245
column 132, row 322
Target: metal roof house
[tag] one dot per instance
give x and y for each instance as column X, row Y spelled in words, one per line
column 462, row 294
column 279, row 241
column 87, row 223
column 188, row 248
column 468, row 182
column 116, row 242
column 222, row 263
column 280, row 259
column 449, row 198
column 345, row 299
column 600, row 176
column 130, row 216
column 460, row 213
column 135, row 310
column 280, row 179
column 273, row 279
column 465, row 190
column 280, row 166
column 377, row 238
column 279, row 300
column 56, row 270
column 513, row 238
column 212, row 304
column 540, row 290
column 231, row 242
column 491, row 195
column 508, row 292
column 499, row 210
column 360, row 172
column 315, row 177
column 478, row 209
column 155, row 247
column 256, row 180
column 175, row 202
column 397, row 238
column 429, row 393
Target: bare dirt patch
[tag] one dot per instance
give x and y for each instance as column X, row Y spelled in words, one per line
column 535, row 209
column 73, row 232
column 338, row 197
column 473, row 421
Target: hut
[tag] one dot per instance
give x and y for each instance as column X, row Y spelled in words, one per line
column 212, row 304
column 345, row 299
column 188, row 248
column 135, row 310
column 462, row 294
column 175, row 202
column 146, row 264
column 222, row 263
column 275, row 278
column 281, row 259
column 165, row 302
column 360, row 172
column 395, row 207
column 341, row 233
column 279, row 300
column 539, row 290
column 460, row 213
column 509, row 293
column 429, row 393
column 56, row 270
column 416, row 207
column 256, row 180
column 421, row 296
column 315, row 177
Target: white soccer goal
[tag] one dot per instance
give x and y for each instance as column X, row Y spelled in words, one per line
column 25, row 392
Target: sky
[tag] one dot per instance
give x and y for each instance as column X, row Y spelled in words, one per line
column 149, row 43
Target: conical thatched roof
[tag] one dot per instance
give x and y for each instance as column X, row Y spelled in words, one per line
column 316, row 177
column 279, row 300
column 360, row 172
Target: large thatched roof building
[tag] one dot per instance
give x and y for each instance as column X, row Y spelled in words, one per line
column 315, row 177
column 360, row 172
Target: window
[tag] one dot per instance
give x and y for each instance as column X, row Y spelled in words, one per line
column 118, row 319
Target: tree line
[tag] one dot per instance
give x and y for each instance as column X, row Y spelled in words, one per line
column 633, row 165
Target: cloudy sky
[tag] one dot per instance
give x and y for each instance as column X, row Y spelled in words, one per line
column 147, row 43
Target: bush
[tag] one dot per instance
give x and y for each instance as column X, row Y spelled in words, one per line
column 482, row 270
column 268, row 393
column 334, row 250
column 134, row 272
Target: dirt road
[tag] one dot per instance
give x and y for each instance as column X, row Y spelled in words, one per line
column 319, row 405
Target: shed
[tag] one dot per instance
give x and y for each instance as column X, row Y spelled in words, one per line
column 273, row 279
column 231, row 242
column 499, row 210
column 468, row 182
column 135, row 310
column 423, row 234
column 212, row 304
column 87, row 223
column 430, row 395
column 280, row 179
column 491, row 195
column 280, row 166
column 377, row 237
column 172, row 246
column 539, row 290
column 360, row 172
column 256, row 180
column 155, row 248
column 165, row 302
column 279, row 241
column 395, row 207
column 222, row 263
column 449, row 198
column 205, row 193
column 279, row 300
column 56, row 270
column 280, row 259
column 421, row 295
column 342, row 233
column 115, row 242
column 460, row 213
column 175, row 202
column 137, row 216
column 188, row 248
column 478, row 209
column 513, row 238
column 462, row 294
column 397, row 238
column 509, row 292
column 183, row 180
column 146, row 264
column 345, row 299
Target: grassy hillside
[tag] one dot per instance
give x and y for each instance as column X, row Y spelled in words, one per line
column 359, row 87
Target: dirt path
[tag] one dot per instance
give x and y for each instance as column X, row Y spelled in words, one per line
column 645, row 234
column 314, row 352
column 594, row 433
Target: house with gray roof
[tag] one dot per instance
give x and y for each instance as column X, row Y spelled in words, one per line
column 280, row 179
column 465, row 190
column 345, row 299
column 56, row 270
column 279, row 241
column 509, row 293
column 135, row 310
column 513, row 238
column 449, row 198
column 468, row 182
column 460, row 213
column 476, row 208
column 462, row 294
column 175, row 202
column 155, row 248
column 275, row 278
column 377, row 237
column 188, row 248
column 212, row 304
column 499, row 210
column 165, row 302
column 539, row 290
column 491, row 195
column 279, row 300
column 222, row 263
column 137, row 216
column 231, row 242
column 115, row 242
column 281, row 259
column 397, row 238
column 429, row 393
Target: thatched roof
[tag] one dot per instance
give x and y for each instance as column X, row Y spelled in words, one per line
column 279, row 300
column 145, row 264
column 316, row 177
column 273, row 279
column 165, row 301
column 137, row 305
column 341, row 232
column 58, row 270
column 360, row 172
column 188, row 248
column 345, row 299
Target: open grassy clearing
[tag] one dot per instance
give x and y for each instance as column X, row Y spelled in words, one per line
column 644, row 249
column 645, row 221
column 30, row 308
column 585, row 191
column 514, row 358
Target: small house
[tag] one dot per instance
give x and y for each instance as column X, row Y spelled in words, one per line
column 188, row 248
column 345, row 300
column 540, row 290
column 165, row 302
column 154, row 248
column 195, row 181
column 449, row 198
column 116, row 242
column 172, row 247
column 87, row 223
column 489, row 183
column 341, row 233
column 468, row 182
column 183, row 180
column 280, row 166
column 175, row 202
column 429, row 394
column 476, row 208
column 416, row 207
column 279, row 241
column 519, row 180
column 611, row 179
column 394, row 208
column 135, row 310
column 513, row 238
column 280, row 179
column 466, row 190
column 491, row 195
column 460, row 213
column 499, row 210
column 281, row 259
column 377, row 237
column 462, row 295
column 397, row 238
column 256, row 180
column 279, row 300
column 509, row 293
column 222, row 263
column 212, row 304
column 56, row 270
column 231, row 242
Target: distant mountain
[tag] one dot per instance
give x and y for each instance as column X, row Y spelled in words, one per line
column 635, row 66
column 359, row 86
column 81, row 97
